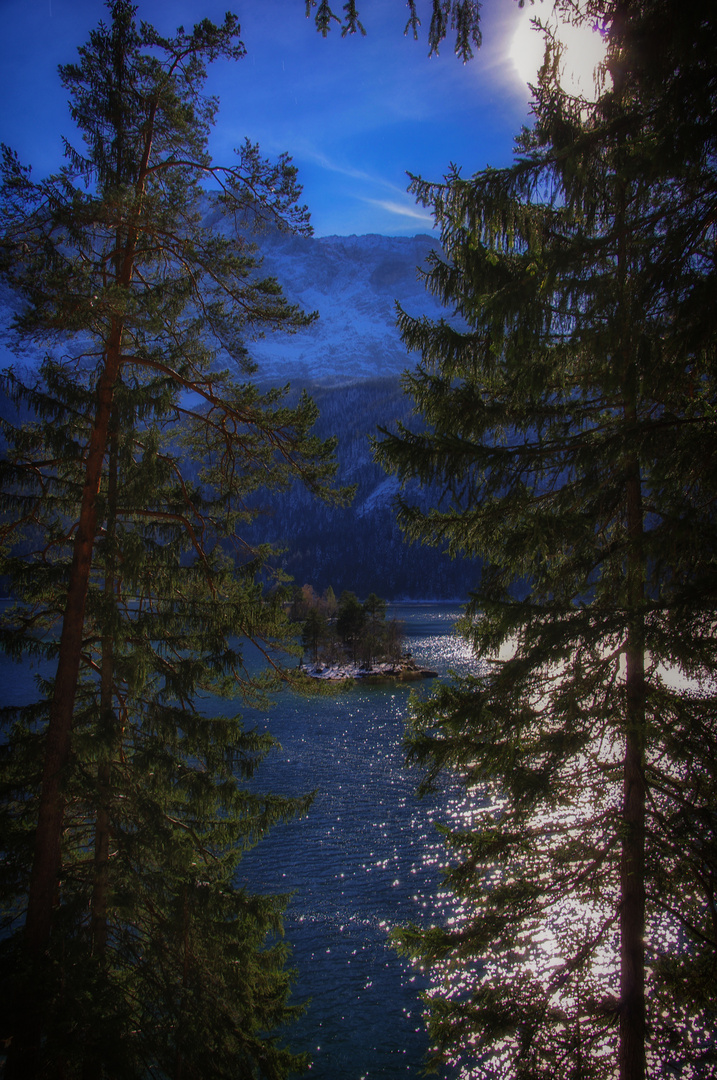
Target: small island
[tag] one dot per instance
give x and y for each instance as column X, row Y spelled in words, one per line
column 406, row 670
column 349, row 640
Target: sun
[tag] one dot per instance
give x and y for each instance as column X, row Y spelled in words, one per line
column 526, row 47
column 584, row 50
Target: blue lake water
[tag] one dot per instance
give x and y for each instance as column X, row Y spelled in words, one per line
column 365, row 859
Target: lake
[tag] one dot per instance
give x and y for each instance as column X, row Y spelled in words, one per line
column 365, row 859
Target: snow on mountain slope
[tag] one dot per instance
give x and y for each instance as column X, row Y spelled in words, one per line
column 353, row 282
column 349, row 360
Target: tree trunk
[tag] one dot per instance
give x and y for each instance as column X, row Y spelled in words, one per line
column 632, row 867
column 43, row 896
column 179, row 1056
column 23, row 1060
column 107, row 720
column 44, row 880
column 92, row 1068
column 631, row 1052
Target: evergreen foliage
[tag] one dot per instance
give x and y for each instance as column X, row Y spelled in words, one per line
column 350, row 622
column 331, row 628
column 359, row 548
column 374, row 628
column 131, row 944
column 315, row 632
column 462, row 16
column 569, row 405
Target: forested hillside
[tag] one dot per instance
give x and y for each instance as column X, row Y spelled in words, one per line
column 359, row 547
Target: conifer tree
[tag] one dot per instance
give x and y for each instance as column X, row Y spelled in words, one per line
column 374, row 631
column 350, row 621
column 570, row 421
column 132, row 572
column 315, row 632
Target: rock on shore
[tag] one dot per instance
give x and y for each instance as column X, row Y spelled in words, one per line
column 386, row 671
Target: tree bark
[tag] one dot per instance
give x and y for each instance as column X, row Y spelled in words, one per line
column 107, row 719
column 631, row 1051
column 23, row 1060
column 46, row 865
column 632, row 864
column 632, row 867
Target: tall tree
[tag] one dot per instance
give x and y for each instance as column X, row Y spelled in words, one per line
column 118, row 271
column 374, row 632
column 570, row 420
column 350, row 620
column 315, row 631
column 156, row 810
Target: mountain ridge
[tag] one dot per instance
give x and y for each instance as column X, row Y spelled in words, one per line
column 354, row 282
column 350, row 362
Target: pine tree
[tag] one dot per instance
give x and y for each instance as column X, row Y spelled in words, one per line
column 132, row 572
column 315, row 632
column 350, row 621
column 570, row 413
column 374, row 632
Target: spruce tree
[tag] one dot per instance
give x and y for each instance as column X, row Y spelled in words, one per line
column 350, row 621
column 315, row 632
column 373, row 637
column 569, row 405
column 132, row 572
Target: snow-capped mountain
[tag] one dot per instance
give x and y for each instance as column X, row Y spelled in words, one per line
column 350, row 361
column 354, row 283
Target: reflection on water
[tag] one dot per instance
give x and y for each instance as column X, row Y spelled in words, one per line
column 567, row 946
column 366, row 858
column 431, row 638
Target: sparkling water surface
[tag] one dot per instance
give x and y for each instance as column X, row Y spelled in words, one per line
column 365, row 859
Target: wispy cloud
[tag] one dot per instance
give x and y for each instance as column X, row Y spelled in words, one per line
column 362, row 185
column 402, row 209
column 395, row 205
column 320, row 158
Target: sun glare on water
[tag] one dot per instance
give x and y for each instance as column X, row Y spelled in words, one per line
column 584, row 49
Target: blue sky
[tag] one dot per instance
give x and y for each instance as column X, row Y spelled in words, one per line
column 356, row 114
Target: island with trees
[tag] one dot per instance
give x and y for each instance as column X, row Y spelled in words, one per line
column 348, row 639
